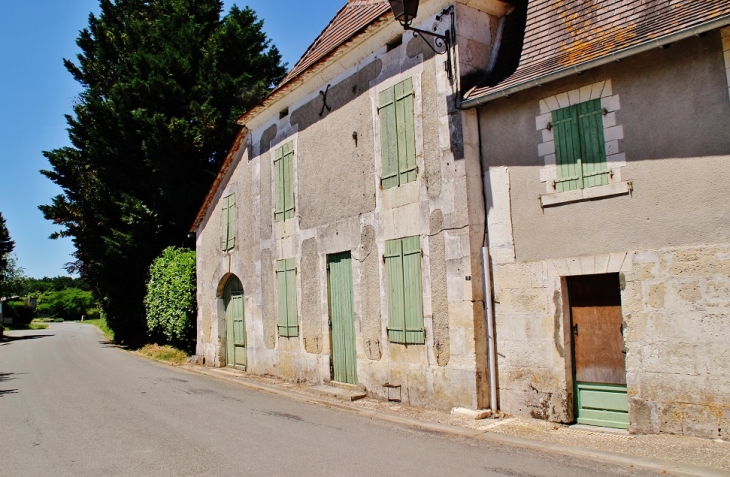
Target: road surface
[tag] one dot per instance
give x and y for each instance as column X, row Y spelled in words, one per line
column 72, row 404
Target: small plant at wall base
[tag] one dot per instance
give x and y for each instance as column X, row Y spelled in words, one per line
column 170, row 302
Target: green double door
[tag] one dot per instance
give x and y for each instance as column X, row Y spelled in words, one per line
column 342, row 319
column 235, row 324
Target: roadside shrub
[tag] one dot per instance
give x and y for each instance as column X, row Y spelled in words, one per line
column 21, row 312
column 92, row 314
column 69, row 303
column 170, row 302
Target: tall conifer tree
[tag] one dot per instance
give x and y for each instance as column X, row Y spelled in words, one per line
column 164, row 81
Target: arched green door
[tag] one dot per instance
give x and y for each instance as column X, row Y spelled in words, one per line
column 235, row 324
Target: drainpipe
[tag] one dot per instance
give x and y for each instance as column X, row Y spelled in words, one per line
column 489, row 308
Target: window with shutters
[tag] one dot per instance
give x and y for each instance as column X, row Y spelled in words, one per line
column 286, row 282
column 580, row 147
column 397, row 134
column 228, row 219
column 284, row 182
column 405, row 292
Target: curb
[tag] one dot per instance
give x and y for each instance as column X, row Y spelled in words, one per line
column 675, row 468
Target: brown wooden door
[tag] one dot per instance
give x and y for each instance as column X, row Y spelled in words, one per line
column 598, row 341
column 599, row 345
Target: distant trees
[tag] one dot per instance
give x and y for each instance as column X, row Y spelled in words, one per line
column 7, row 262
column 164, row 81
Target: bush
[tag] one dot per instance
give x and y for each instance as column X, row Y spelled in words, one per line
column 170, row 302
column 92, row 314
column 68, row 304
column 21, row 312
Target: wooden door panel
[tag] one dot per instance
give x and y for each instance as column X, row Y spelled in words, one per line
column 599, row 344
column 342, row 317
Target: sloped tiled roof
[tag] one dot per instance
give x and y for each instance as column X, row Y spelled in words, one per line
column 564, row 34
column 353, row 19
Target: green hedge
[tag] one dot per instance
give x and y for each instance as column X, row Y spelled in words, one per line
column 21, row 312
column 170, row 302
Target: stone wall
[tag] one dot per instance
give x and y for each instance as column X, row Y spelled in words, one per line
column 677, row 312
column 341, row 206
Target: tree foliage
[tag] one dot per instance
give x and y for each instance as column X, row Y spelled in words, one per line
column 12, row 277
column 170, row 302
column 68, row 303
column 37, row 286
column 6, row 248
column 164, row 81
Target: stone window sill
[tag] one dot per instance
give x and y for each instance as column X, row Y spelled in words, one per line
column 591, row 193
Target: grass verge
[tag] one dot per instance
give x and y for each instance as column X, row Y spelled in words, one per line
column 32, row 326
column 165, row 353
column 101, row 324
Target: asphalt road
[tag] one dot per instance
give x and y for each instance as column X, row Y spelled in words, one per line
column 71, row 404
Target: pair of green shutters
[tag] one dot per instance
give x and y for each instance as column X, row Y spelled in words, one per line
column 405, row 291
column 284, row 185
column 286, row 283
column 580, row 148
column 228, row 234
column 397, row 134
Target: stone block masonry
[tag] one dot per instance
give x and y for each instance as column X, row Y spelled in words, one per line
column 676, row 309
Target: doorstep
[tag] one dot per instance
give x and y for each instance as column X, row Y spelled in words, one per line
column 338, row 392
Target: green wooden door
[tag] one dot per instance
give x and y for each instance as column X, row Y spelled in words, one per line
column 235, row 324
column 342, row 319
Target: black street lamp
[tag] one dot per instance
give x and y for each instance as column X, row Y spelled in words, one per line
column 405, row 12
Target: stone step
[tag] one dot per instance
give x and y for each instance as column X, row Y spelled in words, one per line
column 339, row 392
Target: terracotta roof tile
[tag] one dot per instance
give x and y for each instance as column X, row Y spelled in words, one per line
column 565, row 34
column 351, row 19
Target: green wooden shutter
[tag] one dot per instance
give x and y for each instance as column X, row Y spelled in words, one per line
column 388, row 138
column 405, row 131
column 593, row 144
column 282, row 297
column 413, row 290
column 396, row 301
column 567, row 149
column 286, row 282
column 279, row 184
column 224, row 223
column 288, row 165
column 291, row 298
column 231, row 235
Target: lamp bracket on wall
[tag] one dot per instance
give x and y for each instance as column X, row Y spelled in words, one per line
column 441, row 43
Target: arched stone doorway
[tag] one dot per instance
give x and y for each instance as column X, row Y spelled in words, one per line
column 235, row 323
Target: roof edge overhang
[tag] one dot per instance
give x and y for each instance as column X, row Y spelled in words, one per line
column 283, row 90
column 219, row 178
column 587, row 65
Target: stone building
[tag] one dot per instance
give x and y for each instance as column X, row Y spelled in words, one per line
column 341, row 240
column 581, row 147
column 607, row 155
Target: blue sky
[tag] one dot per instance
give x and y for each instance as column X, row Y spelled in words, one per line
column 36, row 92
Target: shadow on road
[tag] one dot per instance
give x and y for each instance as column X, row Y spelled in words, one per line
column 7, row 339
column 7, row 377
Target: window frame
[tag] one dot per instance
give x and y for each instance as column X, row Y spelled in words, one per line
column 286, row 285
column 396, row 108
column 284, row 197
column 228, row 222
column 402, row 260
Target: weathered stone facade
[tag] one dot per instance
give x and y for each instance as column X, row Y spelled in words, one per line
column 666, row 234
column 341, row 206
